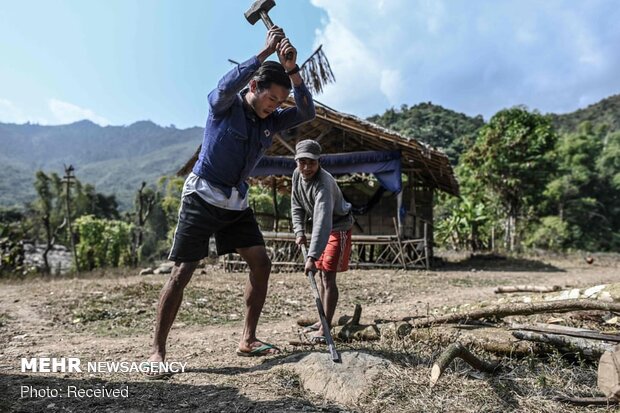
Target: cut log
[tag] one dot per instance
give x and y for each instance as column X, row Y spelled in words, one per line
column 608, row 379
column 357, row 314
column 347, row 319
column 343, row 319
column 352, row 330
column 357, row 332
column 458, row 350
column 590, row 349
column 503, row 310
column 567, row 331
column 399, row 329
column 527, row 289
column 491, row 339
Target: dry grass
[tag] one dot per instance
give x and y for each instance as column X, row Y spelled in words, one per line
column 72, row 313
column 522, row 384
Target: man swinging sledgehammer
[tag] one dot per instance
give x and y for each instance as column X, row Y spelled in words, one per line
column 244, row 114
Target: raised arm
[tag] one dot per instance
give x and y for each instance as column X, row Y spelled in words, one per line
column 304, row 105
column 223, row 96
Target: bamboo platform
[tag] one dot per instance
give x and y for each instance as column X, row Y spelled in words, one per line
column 368, row 251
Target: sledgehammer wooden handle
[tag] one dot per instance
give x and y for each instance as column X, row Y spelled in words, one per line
column 260, row 10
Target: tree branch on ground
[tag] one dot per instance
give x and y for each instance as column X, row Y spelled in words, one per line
column 503, row 310
column 527, row 289
column 458, row 350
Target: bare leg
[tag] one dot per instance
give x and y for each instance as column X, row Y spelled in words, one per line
column 255, row 294
column 169, row 302
column 328, row 291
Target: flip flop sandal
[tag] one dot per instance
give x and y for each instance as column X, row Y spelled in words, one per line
column 145, row 368
column 318, row 340
column 311, row 328
column 260, row 351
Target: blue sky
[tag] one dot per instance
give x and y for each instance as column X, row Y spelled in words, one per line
column 120, row 61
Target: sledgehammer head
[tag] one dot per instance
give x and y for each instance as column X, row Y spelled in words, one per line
column 254, row 12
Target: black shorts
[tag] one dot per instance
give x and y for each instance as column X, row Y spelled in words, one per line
column 198, row 220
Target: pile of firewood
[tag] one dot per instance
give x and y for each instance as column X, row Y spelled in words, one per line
column 485, row 329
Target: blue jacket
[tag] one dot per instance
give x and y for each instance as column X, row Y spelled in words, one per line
column 235, row 141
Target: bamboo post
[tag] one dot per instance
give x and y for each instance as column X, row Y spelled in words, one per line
column 400, row 245
column 68, row 181
column 399, row 205
column 274, row 193
column 426, row 249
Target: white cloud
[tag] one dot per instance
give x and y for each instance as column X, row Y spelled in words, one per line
column 390, row 85
column 475, row 57
column 65, row 112
column 60, row 113
column 10, row 113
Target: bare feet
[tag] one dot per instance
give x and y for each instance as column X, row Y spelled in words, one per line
column 157, row 357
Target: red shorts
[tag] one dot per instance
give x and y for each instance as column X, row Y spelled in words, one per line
column 336, row 256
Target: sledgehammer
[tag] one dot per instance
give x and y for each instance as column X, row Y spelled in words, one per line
column 260, row 10
column 319, row 305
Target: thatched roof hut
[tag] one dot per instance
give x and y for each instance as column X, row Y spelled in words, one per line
column 425, row 169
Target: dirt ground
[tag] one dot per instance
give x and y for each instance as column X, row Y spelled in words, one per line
column 108, row 316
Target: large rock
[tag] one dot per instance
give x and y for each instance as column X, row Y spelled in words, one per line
column 344, row 382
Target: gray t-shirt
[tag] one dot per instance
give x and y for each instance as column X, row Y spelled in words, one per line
column 319, row 199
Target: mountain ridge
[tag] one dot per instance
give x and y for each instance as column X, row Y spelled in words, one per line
column 116, row 159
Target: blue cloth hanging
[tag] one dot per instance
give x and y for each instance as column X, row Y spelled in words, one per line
column 384, row 165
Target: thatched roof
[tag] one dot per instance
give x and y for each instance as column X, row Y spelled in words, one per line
column 340, row 132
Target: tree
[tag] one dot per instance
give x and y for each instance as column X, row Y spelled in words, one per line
column 90, row 202
column 575, row 193
column 144, row 204
column 464, row 225
column 608, row 166
column 552, row 233
column 576, row 171
column 171, row 188
column 103, row 242
column 513, row 158
column 13, row 228
column 441, row 128
column 49, row 209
